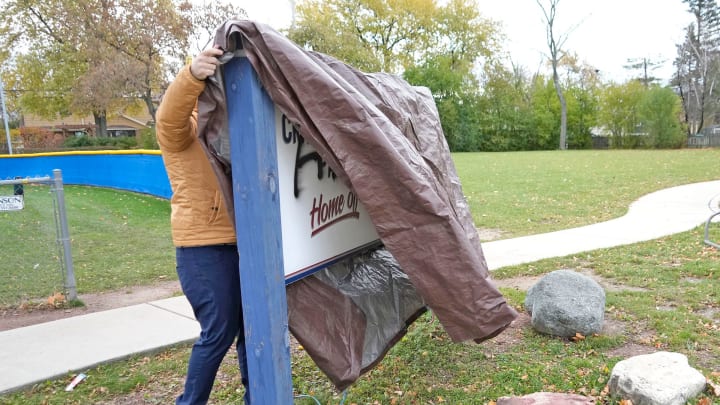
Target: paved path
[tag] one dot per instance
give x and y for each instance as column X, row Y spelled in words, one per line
column 49, row 350
column 664, row 212
column 36, row 353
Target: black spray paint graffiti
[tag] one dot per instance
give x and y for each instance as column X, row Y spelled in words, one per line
column 290, row 135
column 324, row 212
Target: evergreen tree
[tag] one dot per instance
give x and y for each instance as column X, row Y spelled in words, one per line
column 698, row 65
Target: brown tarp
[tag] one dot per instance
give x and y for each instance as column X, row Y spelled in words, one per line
column 383, row 138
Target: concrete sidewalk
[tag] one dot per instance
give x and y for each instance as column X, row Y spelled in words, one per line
column 49, row 350
column 664, row 212
column 36, row 353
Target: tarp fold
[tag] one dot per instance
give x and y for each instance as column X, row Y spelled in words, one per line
column 383, row 138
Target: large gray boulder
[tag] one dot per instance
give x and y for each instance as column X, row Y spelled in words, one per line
column 662, row 378
column 564, row 303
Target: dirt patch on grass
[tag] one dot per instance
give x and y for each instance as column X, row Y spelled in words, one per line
column 710, row 313
column 513, row 334
column 639, row 340
column 488, row 234
column 637, row 343
column 630, row 349
column 41, row 311
column 524, row 283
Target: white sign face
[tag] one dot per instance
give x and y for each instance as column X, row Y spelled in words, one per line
column 12, row 203
column 322, row 219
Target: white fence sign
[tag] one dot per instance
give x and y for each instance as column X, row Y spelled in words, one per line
column 12, row 203
column 322, row 219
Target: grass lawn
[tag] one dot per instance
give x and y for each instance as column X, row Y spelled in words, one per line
column 661, row 294
column 118, row 239
column 525, row 193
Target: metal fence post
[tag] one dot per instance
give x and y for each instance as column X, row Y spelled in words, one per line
column 70, row 286
column 5, row 117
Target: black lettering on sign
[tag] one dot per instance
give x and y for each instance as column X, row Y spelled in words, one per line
column 11, row 203
column 290, row 136
column 11, row 199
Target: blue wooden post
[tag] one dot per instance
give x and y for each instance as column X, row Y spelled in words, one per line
column 251, row 121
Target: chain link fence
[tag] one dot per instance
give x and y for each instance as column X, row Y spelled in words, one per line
column 35, row 258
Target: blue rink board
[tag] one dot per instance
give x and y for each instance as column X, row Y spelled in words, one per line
column 142, row 172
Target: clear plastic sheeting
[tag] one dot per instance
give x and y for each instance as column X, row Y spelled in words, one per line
column 348, row 315
column 376, row 284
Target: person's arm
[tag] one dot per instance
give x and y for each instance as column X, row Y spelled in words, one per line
column 176, row 116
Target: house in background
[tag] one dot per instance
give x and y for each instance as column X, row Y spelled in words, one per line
column 708, row 137
column 118, row 125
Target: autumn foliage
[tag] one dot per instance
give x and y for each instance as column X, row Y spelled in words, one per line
column 40, row 138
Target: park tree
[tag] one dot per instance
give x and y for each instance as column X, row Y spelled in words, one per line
column 99, row 56
column 660, row 109
column 462, row 34
column 157, row 36
column 618, row 113
column 555, row 43
column 370, row 35
column 324, row 32
column 582, row 84
column 391, row 35
column 58, row 56
column 455, row 95
column 644, row 66
column 582, row 117
column 698, row 65
column 205, row 19
column 436, row 45
column 150, row 36
column 545, row 114
column 96, row 94
column 36, row 88
column 506, row 118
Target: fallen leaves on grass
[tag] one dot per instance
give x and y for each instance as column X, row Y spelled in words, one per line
column 713, row 388
column 56, row 300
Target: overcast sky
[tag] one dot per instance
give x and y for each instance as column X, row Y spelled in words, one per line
column 603, row 33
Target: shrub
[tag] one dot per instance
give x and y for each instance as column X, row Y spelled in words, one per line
column 78, row 142
column 123, row 142
column 147, row 139
column 40, row 138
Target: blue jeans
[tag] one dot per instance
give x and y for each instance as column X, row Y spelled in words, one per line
column 211, row 282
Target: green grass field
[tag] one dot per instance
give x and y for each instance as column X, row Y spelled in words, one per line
column 526, row 193
column 118, row 239
column 665, row 295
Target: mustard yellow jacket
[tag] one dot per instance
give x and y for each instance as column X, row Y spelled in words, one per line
column 199, row 215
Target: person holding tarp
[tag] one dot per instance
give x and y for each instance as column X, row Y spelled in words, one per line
column 202, row 231
column 383, row 139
